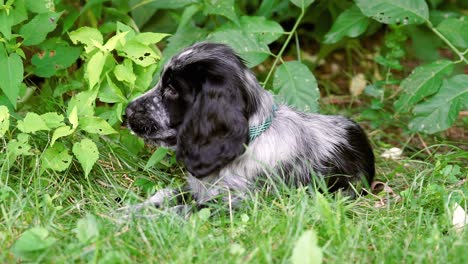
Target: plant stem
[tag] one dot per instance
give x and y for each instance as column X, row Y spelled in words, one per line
column 286, row 42
column 440, row 35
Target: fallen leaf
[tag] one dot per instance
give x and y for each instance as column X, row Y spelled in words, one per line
column 393, row 153
column 358, row 84
column 459, row 219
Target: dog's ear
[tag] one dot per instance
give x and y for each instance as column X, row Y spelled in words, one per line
column 215, row 128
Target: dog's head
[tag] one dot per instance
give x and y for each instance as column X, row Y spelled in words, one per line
column 200, row 107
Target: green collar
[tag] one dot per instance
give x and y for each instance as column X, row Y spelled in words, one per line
column 256, row 131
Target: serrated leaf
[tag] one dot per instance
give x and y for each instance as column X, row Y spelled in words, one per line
column 404, row 12
column 33, row 242
column 221, row 7
column 351, row 23
column 52, row 119
column 302, row 3
column 148, row 38
column 139, row 53
column 56, row 158
column 297, row 86
column 32, row 123
column 87, row 153
column 456, row 31
column 250, row 49
column 307, row 250
column 84, row 103
column 96, row 125
column 124, row 72
column 87, row 230
column 425, row 80
column 440, row 111
column 52, row 59
column 157, row 156
column 11, row 75
column 110, row 93
column 94, row 68
column 4, row 120
column 86, row 35
column 36, row 30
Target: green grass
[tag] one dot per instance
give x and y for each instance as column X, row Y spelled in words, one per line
column 414, row 229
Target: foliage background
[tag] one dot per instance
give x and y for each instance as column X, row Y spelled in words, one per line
column 69, row 68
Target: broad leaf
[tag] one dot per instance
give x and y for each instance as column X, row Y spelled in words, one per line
column 139, row 53
column 56, row 158
column 52, row 59
column 351, row 23
column 148, row 38
column 110, row 93
column 88, row 36
column 425, row 80
column 224, row 8
column 33, row 242
column 249, row 48
column 157, row 156
column 96, row 125
column 115, row 40
column 87, row 153
column 307, row 250
column 173, row 4
column 32, row 123
column 65, row 130
column 94, row 68
column 456, row 31
column 52, row 119
column 302, row 3
column 297, row 86
column 440, row 112
column 124, row 72
column 84, row 103
column 19, row 146
column 395, row 11
column 6, row 22
column 266, row 31
column 11, row 75
column 4, row 120
column 87, row 229
column 40, row 6
column 36, row 30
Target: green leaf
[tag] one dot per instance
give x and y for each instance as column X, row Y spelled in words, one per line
column 110, row 93
column 40, row 6
column 65, row 130
column 124, row 72
column 302, row 3
column 53, row 120
column 297, row 86
column 117, row 39
column 440, row 111
column 307, row 250
column 36, row 30
column 265, row 31
column 157, row 156
column 56, row 158
column 11, row 75
column 224, row 8
column 52, row 59
column 249, row 48
column 4, row 120
column 456, row 31
column 84, row 103
column 112, row 257
column 148, row 38
column 94, row 68
column 139, row 53
column 87, row 229
column 33, row 242
column 425, row 80
column 351, row 23
column 32, row 123
column 87, row 153
column 144, row 77
column 88, row 36
column 19, row 146
column 19, row 13
column 96, row 125
column 6, row 22
column 395, row 11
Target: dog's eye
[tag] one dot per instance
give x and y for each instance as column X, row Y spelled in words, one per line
column 170, row 92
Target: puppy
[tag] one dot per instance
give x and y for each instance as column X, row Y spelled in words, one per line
column 231, row 135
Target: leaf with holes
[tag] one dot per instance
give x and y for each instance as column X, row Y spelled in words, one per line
column 224, row 8
column 87, row 153
column 440, row 111
column 351, row 23
column 36, row 30
column 19, row 146
column 96, row 125
column 4, row 120
column 11, row 72
column 52, row 59
column 297, row 86
column 139, row 53
column 88, row 36
column 32, row 243
column 425, row 80
column 404, row 12
column 302, row 3
column 56, row 158
column 32, row 123
column 249, row 48
column 307, row 249
column 157, row 156
column 456, row 31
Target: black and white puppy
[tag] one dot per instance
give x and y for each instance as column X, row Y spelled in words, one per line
column 230, row 134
